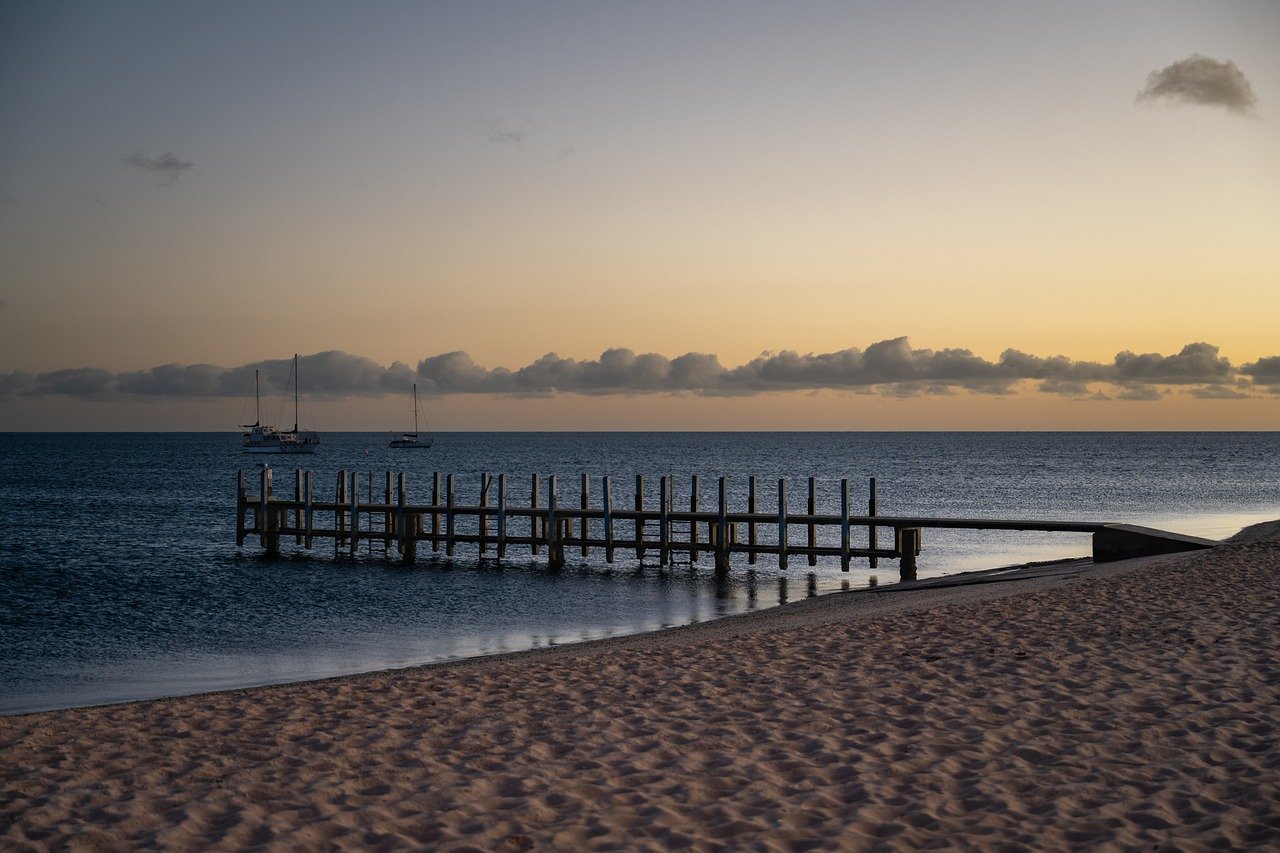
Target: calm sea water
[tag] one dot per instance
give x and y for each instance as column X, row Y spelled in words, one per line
column 120, row 578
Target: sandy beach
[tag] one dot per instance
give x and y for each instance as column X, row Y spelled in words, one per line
column 1123, row 706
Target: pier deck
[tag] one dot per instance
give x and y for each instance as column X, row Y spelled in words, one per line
column 495, row 524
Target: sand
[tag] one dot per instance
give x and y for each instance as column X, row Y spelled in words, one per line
column 1096, row 707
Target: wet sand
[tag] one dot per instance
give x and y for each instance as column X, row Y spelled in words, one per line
column 1115, row 706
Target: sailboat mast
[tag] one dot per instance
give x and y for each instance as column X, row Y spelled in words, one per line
column 295, row 392
column 257, row 401
column 415, row 408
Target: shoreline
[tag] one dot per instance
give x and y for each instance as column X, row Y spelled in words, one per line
column 1015, row 575
column 1124, row 704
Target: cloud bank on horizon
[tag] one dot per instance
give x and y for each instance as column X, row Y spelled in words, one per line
column 889, row 368
column 1203, row 81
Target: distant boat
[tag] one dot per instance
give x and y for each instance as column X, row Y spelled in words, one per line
column 263, row 438
column 412, row 439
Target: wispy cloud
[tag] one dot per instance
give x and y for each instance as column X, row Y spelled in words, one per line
column 891, row 368
column 1203, row 81
column 500, row 132
column 166, row 164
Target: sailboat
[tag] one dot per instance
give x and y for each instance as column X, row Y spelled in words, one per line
column 412, row 439
column 263, row 438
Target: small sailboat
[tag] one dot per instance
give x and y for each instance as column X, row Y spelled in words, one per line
column 413, row 439
column 264, row 438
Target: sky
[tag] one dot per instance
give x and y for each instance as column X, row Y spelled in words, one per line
column 690, row 215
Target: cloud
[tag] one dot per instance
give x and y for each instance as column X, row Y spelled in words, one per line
column 1196, row 364
column 890, row 368
column 1203, row 81
column 1265, row 372
column 166, row 164
column 501, row 133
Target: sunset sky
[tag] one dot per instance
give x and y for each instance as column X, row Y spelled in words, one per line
column 717, row 215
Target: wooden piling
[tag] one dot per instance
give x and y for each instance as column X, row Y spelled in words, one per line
column 339, row 514
column 435, row 511
column 448, row 518
column 813, row 530
column 533, row 516
column 555, row 547
column 502, row 516
column 693, row 524
column 722, row 533
column 386, row 516
column 751, row 525
column 241, row 506
column 308, row 512
column 664, row 531
column 844, row 525
column 483, row 521
column 355, row 512
column 871, row 528
column 586, row 490
column 606, row 497
column 782, row 523
column 297, row 506
column 402, row 533
column 639, row 525
column 908, row 541
column 264, row 501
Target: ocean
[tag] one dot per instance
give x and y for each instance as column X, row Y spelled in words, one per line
column 120, row 578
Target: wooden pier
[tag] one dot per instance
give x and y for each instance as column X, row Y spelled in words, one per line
column 497, row 522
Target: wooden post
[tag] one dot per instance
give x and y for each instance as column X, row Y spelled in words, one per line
column 533, row 516
column 264, row 498
column 308, row 512
column 555, row 548
column 722, row 534
column 502, row 516
column 484, row 505
column 435, row 512
column 339, row 514
column 606, row 490
column 664, row 533
column 782, row 523
column 871, row 528
column 386, row 516
column 908, row 547
column 844, row 525
column 813, row 530
column 355, row 511
column 639, row 526
column 693, row 525
column 274, row 517
column 401, row 530
column 585, row 528
column 448, row 518
column 240, row 507
column 751, row 525
column 297, row 506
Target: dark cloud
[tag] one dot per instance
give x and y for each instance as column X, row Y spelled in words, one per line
column 1264, row 371
column 890, row 367
column 1220, row 392
column 1197, row 363
column 501, row 133
column 1204, row 81
column 166, row 164
column 1140, row 393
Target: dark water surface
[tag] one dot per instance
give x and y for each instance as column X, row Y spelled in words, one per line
column 120, row 579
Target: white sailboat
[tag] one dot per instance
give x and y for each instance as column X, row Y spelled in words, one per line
column 264, row 438
column 413, row 439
